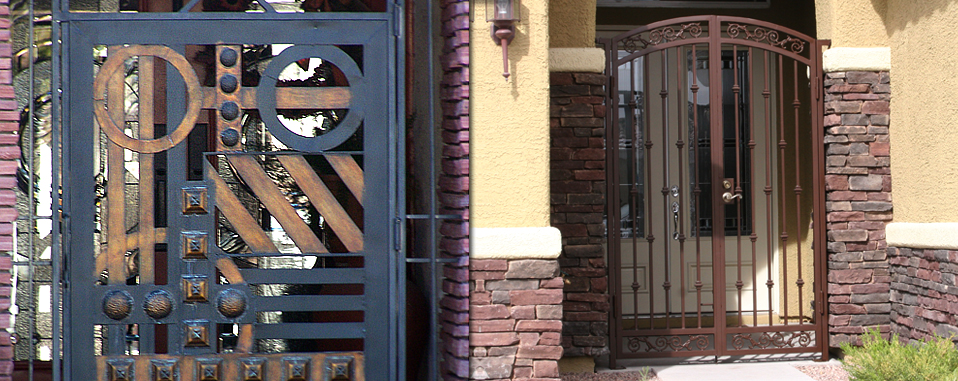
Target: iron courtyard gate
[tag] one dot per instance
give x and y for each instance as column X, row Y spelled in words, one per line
column 715, row 190
column 231, row 192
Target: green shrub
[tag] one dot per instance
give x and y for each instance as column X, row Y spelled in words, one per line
column 890, row 360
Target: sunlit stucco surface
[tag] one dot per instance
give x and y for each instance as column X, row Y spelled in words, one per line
column 572, row 23
column 510, row 122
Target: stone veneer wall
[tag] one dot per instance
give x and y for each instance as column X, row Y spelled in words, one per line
column 454, row 188
column 515, row 319
column 578, row 204
column 924, row 293
column 858, row 188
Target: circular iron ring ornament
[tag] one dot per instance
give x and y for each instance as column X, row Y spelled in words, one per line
column 158, row 304
column 266, row 98
column 231, row 303
column 117, row 305
column 110, row 127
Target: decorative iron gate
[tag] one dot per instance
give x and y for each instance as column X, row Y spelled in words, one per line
column 715, row 189
column 230, row 189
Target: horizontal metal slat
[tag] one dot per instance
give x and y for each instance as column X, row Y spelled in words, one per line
column 309, row 303
column 304, row 276
column 310, row 331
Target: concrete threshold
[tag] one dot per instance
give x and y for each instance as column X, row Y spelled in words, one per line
column 774, row 368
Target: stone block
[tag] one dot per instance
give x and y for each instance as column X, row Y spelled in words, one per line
column 489, row 368
column 543, row 352
column 848, row 235
column 849, row 276
column 532, row 269
column 497, row 339
column 549, row 312
column 865, row 183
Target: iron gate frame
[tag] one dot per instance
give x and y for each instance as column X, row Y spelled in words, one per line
column 75, row 33
column 669, row 37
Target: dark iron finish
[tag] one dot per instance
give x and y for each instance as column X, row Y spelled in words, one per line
column 760, row 232
column 203, row 300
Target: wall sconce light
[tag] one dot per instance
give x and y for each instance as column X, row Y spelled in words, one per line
column 503, row 14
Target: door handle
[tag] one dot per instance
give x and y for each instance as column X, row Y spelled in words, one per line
column 728, row 197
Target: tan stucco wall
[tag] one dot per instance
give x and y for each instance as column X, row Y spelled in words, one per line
column 852, row 23
column 924, row 115
column 509, row 122
column 572, row 23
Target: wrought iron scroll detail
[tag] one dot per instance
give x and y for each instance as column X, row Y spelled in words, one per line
column 768, row 36
column 662, row 35
column 668, row 343
column 765, row 340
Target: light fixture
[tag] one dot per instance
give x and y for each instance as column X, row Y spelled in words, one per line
column 503, row 14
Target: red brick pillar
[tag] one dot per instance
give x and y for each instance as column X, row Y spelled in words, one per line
column 454, row 188
column 578, row 202
column 9, row 153
column 515, row 319
column 858, row 188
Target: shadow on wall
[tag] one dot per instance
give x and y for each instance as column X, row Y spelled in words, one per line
column 897, row 14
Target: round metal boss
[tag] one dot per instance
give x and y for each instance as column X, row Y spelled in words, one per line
column 228, row 83
column 231, row 302
column 117, row 304
column 158, row 304
column 229, row 110
column 228, row 57
column 229, row 137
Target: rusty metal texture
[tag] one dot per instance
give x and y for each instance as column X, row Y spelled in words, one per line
column 721, row 116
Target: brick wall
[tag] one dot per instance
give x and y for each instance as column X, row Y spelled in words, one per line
column 516, row 319
column 454, row 188
column 858, row 188
column 924, row 296
column 578, row 203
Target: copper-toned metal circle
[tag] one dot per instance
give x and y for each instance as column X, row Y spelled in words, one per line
column 158, row 304
column 228, row 57
column 230, row 110
column 231, row 302
column 229, row 83
column 229, row 137
column 113, row 66
column 117, row 305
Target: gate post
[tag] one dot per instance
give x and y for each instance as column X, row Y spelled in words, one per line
column 858, row 187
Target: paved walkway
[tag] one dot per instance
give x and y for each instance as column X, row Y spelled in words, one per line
column 738, row 371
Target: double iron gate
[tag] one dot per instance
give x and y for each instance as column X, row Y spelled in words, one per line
column 231, row 193
column 715, row 189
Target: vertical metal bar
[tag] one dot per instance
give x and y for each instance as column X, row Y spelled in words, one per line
column 667, row 247
column 680, row 148
column 116, row 207
column 697, row 190
column 146, row 238
column 717, row 164
column 736, row 92
column 796, row 104
column 56, row 212
column 433, row 346
column 769, row 130
column 751, row 168
column 31, row 196
column 649, row 234
column 818, row 187
column 612, row 202
column 781, row 158
column 634, row 190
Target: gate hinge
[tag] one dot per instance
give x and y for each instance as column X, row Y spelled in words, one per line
column 820, row 303
column 397, row 234
column 398, row 20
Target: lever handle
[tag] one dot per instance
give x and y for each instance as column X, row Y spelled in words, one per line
column 728, row 197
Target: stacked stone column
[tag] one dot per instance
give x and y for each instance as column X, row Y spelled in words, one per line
column 859, row 205
column 9, row 154
column 515, row 319
column 578, row 202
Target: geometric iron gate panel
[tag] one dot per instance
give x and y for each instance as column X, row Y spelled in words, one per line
column 715, row 189
column 231, row 190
